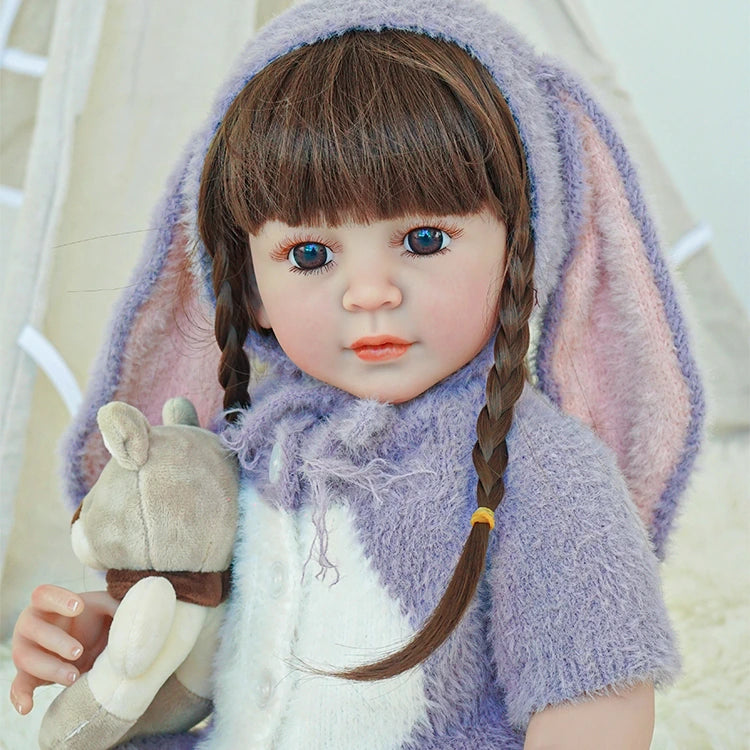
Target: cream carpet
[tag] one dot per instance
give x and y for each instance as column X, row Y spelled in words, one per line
column 707, row 587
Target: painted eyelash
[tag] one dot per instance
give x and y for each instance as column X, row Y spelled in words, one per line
column 452, row 230
column 310, row 271
column 281, row 252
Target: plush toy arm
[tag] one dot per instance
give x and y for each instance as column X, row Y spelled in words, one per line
column 125, row 679
column 151, row 635
column 141, row 626
column 185, row 698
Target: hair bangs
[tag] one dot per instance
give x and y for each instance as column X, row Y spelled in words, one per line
column 362, row 127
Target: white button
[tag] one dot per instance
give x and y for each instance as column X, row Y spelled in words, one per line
column 265, row 689
column 274, row 464
column 277, row 580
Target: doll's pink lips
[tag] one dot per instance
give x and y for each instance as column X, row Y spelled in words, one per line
column 380, row 348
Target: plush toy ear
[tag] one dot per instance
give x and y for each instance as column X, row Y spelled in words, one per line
column 613, row 349
column 179, row 411
column 126, row 434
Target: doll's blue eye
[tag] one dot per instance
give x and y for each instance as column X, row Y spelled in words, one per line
column 309, row 256
column 426, row 240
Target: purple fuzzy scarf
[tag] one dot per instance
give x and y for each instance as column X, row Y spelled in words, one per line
column 330, row 443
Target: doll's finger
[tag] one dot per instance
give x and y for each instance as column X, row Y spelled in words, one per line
column 21, row 695
column 50, row 637
column 99, row 601
column 55, row 599
column 40, row 665
column 27, row 626
column 22, row 691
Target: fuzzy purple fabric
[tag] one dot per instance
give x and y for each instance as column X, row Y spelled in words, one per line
column 570, row 601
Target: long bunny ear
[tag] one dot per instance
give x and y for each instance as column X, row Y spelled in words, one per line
column 613, row 349
column 160, row 341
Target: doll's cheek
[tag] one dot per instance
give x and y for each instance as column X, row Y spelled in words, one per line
column 81, row 547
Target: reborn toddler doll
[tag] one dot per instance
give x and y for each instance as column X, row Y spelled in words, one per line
column 385, row 203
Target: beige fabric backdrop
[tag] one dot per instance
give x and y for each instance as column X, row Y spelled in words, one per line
column 157, row 69
column 27, row 261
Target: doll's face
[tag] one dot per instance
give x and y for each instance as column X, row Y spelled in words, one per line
column 382, row 310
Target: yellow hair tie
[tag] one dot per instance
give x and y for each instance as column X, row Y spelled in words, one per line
column 484, row 515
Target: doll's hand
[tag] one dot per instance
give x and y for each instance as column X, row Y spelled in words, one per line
column 56, row 638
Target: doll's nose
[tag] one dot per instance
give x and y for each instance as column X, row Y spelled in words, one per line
column 371, row 288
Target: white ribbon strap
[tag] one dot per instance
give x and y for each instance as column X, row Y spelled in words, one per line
column 50, row 360
column 690, row 243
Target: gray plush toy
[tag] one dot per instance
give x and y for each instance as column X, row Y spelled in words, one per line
column 161, row 519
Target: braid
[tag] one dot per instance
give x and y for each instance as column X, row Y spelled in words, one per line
column 504, row 386
column 228, row 247
column 507, row 376
column 231, row 326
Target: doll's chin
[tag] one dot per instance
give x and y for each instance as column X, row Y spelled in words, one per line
column 387, row 396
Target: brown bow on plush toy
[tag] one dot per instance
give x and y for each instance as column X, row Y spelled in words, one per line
column 161, row 519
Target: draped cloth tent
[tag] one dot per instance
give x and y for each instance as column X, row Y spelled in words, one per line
column 126, row 83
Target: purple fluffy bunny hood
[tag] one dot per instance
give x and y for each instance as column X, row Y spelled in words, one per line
column 612, row 347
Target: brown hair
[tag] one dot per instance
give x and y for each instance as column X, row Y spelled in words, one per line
column 367, row 126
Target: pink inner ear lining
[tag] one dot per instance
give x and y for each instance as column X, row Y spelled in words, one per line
column 171, row 351
column 614, row 335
